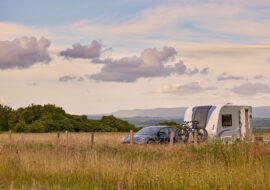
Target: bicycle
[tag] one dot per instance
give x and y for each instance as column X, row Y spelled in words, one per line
column 189, row 128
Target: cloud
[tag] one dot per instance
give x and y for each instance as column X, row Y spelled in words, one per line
column 259, row 77
column 151, row 63
column 84, row 52
column 187, row 89
column 251, row 89
column 196, row 21
column 225, row 76
column 205, row 71
column 33, row 84
column 70, row 78
column 23, row 52
column 194, row 71
column 224, row 49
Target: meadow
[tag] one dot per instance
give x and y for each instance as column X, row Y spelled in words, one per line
column 41, row 161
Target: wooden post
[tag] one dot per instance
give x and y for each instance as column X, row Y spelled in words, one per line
column 119, row 185
column 92, row 139
column 172, row 135
column 22, row 138
column 253, row 138
column 195, row 137
column 250, row 135
column 58, row 139
column 66, row 138
column 226, row 144
column 11, row 186
column 131, row 137
column 10, row 137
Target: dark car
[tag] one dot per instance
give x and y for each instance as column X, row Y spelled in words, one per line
column 152, row 134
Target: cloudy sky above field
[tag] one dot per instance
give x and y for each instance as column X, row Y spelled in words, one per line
column 102, row 56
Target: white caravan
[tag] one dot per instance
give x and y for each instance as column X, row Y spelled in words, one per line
column 223, row 121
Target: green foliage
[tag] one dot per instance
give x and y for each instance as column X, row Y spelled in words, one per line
column 170, row 123
column 49, row 118
column 4, row 117
column 116, row 124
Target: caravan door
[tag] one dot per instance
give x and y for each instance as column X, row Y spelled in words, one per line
column 201, row 114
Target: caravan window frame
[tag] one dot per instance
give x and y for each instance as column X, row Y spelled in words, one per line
column 229, row 122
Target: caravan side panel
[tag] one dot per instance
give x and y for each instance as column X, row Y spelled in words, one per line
column 188, row 114
column 229, row 122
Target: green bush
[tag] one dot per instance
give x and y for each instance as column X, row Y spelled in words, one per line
column 50, row 118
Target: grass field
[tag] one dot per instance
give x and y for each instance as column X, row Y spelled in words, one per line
column 34, row 161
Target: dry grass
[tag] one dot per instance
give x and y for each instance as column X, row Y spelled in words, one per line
column 33, row 161
column 265, row 135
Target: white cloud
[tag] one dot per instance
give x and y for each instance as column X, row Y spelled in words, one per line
column 251, row 89
column 151, row 63
column 23, row 52
column 186, row 89
column 225, row 76
column 70, row 78
column 33, row 84
column 259, row 77
column 84, row 52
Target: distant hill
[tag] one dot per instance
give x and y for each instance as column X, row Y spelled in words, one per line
column 259, row 124
column 171, row 113
column 147, row 117
column 258, row 112
column 158, row 113
column 261, row 112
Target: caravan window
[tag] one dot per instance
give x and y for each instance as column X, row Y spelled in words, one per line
column 227, row 120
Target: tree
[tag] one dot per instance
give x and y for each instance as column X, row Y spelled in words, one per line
column 4, row 117
column 50, row 118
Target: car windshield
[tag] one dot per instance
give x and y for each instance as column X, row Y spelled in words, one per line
column 148, row 131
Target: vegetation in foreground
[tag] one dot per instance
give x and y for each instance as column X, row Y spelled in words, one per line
column 38, row 163
column 50, row 118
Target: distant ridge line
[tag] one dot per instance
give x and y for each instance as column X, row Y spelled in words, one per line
column 177, row 112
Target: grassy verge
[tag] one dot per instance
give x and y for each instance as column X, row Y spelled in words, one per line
column 116, row 166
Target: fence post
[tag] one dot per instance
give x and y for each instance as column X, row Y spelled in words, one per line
column 253, row 138
column 119, row 185
column 250, row 135
column 226, row 144
column 22, row 138
column 172, row 135
column 11, row 186
column 92, row 139
column 66, row 138
column 195, row 137
column 131, row 137
column 10, row 137
column 58, row 139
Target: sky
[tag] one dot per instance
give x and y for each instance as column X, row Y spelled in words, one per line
column 101, row 56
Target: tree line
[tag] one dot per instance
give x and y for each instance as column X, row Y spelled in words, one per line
column 50, row 118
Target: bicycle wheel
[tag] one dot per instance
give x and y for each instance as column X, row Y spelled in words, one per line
column 182, row 135
column 202, row 134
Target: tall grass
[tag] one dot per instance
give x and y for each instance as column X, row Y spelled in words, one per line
column 40, row 164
